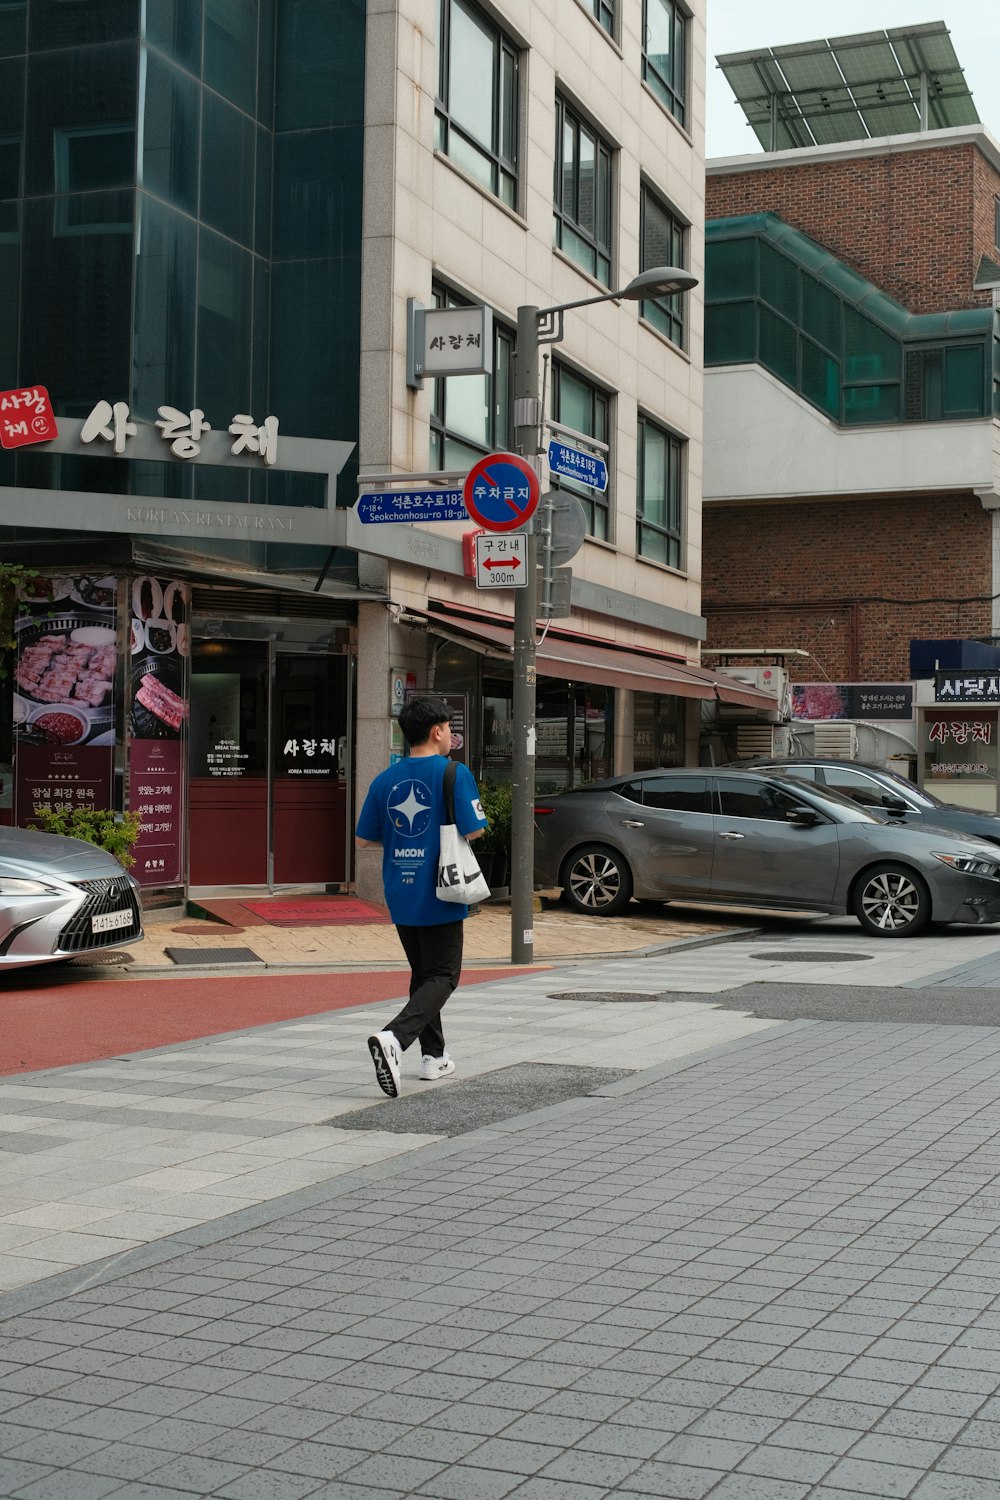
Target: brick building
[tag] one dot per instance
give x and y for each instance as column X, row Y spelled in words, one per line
column 852, row 447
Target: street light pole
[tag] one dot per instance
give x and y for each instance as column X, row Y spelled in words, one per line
column 527, row 440
column 661, row 281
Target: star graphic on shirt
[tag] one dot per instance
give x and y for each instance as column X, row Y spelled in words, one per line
column 410, row 808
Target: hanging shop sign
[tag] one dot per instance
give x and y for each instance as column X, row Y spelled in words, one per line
column 159, row 643
column 63, row 694
column 819, row 701
column 447, row 341
column 966, row 687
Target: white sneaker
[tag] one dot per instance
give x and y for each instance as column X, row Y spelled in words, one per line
column 386, row 1055
column 435, row 1067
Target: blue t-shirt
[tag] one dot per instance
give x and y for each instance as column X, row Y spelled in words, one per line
column 403, row 811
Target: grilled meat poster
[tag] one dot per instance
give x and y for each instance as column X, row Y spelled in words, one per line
column 159, row 644
column 64, row 690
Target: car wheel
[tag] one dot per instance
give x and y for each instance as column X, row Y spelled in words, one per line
column 597, row 881
column 892, row 901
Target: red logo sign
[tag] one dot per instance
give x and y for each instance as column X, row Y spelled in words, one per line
column 26, row 417
column 501, row 491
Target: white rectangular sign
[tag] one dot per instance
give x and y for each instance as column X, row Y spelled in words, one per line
column 501, row 560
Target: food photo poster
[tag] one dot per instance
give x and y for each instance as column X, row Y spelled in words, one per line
column 64, row 694
column 159, row 658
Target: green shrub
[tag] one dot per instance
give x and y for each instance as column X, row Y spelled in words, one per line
column 115, row 832
column 497, row 801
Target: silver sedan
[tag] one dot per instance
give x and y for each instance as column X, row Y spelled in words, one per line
column 732, row 838
column 60, row 898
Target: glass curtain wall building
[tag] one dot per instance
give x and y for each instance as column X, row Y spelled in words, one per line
column 180, row 224
column 775, row 297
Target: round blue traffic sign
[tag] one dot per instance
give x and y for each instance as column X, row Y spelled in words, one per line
column 501, row 491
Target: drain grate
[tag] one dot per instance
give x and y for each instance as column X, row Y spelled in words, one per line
column 611, row 997
column 106, row 960
column 454, row 1107
column 805, row 957
column 213, row 955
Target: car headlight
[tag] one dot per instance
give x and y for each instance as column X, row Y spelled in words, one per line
column 971, row 864
column 11, row 887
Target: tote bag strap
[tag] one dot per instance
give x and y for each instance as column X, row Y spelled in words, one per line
column 448, row 788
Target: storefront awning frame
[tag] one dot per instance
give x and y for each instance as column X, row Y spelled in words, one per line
column 593, row 661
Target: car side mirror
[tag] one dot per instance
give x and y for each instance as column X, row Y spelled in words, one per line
column 894, row 804
column 804, row 817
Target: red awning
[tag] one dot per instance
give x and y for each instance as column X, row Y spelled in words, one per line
column 589, row 660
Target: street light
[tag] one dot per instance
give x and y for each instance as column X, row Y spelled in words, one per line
column 535, row 326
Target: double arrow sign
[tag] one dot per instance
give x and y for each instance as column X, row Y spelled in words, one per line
column 499, row 560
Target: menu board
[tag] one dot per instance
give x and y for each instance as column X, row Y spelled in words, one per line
column 159, row 643
column 64, row 694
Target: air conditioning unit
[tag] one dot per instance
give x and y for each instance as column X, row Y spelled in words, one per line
column 836, row 741
column 753, row 740
column 772, row 680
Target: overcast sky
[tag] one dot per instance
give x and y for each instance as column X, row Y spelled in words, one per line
column 743, row 25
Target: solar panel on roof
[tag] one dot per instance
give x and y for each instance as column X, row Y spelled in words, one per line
column 850, row 88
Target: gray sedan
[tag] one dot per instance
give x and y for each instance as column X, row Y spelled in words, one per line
column 60, row 898
column 732, row 838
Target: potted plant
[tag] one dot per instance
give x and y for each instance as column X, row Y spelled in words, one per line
column 115, row 832
column 493, row 847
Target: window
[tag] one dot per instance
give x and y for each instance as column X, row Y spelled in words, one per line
column 996, row 222
column 471, row 414
column 583, row 406
column 755, row 800
column 477, row 98
column 675, row 793
column 604, row 12
column 659, row 494
column 657, row 731
column 663, row 241
column 663, row 54
column 582, row 194
column 854, row 784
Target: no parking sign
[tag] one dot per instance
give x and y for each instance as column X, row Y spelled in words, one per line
column 501, row 492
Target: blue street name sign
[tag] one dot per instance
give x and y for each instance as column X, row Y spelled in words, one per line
column 573, row 463
column 380, row 507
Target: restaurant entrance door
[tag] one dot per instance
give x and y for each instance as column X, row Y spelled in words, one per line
column 270, row 764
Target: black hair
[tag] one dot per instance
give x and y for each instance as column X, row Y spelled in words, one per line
column 418, row 717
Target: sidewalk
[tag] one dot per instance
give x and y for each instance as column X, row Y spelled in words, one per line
column 766, row 1270
column 559, row 934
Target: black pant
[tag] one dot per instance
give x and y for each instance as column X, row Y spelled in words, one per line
column 435, row 958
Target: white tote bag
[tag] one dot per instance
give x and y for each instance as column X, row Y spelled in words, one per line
column 459, row 878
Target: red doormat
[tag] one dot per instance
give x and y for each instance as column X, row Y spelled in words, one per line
column 328, row 911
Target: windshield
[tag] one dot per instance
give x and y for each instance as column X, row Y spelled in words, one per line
column 914, row 793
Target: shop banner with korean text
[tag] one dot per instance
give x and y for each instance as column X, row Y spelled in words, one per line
column 159, row 644
column 63, row 694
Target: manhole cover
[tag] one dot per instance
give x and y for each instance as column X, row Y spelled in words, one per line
column 611, row 997
column 455, row 1106
column 803, row 957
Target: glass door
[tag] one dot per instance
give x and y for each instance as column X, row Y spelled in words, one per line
column 270, row 768
column 310, row 767
column 229, row 792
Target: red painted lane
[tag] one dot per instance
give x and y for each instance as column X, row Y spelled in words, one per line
column 91, row 1019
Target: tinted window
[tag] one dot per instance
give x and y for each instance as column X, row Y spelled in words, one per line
column 801, row 773
column 676, row 793
column 855, row 784
column 755, row 800
column 631, row 791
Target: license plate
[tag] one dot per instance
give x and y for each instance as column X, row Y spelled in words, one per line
column 107, row 921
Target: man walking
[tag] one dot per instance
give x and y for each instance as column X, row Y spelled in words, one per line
column 403, row 811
